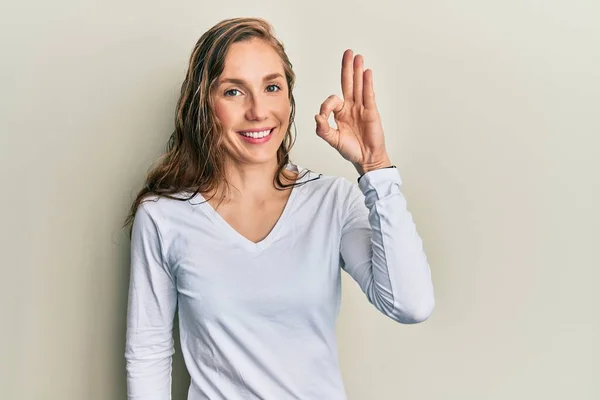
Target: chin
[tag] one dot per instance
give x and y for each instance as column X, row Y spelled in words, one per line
column 265, row 159
column 262, row 157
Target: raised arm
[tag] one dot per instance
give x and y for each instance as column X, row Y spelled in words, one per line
column 151, row 309
column 380, row 245
column 382, row 250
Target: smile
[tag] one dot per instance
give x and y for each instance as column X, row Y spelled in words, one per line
column 256, row 134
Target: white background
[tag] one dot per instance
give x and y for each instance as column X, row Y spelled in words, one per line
column 491, row 114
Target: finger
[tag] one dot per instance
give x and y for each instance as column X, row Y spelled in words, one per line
column 347, row 76
column 322, row 125
column 358, row 78
column 332, row 103
column 325, row 131
column 368, row 91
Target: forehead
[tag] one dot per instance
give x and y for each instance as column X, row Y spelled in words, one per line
column 251, row 60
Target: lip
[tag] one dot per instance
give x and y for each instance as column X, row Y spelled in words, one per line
column 257, row 129
column 257, row 140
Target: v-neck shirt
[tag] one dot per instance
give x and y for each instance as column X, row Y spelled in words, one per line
column 237, row 237
column 257, row 320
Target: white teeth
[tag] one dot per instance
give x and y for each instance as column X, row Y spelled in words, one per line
column 256, row 135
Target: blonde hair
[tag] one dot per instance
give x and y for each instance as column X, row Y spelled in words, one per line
column 195, row 158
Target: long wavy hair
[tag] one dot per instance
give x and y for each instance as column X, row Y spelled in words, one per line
column 195, row 156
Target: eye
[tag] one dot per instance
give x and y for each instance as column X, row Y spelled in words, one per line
column 277, row 86
column 231, row 90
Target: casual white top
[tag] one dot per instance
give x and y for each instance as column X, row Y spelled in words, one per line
column 257, row 320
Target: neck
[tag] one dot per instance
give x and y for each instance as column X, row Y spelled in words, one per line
column 250, row 182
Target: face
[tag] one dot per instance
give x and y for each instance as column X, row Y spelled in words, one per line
column 252, row 102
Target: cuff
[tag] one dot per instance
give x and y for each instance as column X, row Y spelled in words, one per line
column 380, row 180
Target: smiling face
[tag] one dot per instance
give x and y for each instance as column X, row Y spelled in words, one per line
column 252, row 102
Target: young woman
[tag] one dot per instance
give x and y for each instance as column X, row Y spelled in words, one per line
column 250, row 246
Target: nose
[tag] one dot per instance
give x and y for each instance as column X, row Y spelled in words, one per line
column 257, row 109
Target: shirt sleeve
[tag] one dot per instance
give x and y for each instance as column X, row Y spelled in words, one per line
column 150, row 312
column 382, row 251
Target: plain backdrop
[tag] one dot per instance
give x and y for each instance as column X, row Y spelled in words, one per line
column 490, row 110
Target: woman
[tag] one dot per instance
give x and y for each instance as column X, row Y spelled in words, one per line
column 250, row 246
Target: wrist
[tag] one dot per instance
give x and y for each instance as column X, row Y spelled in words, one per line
column 383, row 162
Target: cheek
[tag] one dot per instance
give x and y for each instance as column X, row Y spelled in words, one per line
column 284, row 112
column 223, row 113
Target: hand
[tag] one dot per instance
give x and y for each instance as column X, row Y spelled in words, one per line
column 359, row 135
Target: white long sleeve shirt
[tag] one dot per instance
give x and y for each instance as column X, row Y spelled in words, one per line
column 257, row 320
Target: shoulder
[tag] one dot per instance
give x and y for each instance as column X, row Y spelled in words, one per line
column 166, row 221
column 163, row 211
column 156, row 205
column 317, row 184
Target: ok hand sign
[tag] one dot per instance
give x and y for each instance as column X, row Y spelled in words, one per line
column 359, row 135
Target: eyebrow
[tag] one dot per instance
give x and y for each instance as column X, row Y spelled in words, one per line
column 238, row 81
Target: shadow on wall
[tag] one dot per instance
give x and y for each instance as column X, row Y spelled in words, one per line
column 181, row 378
